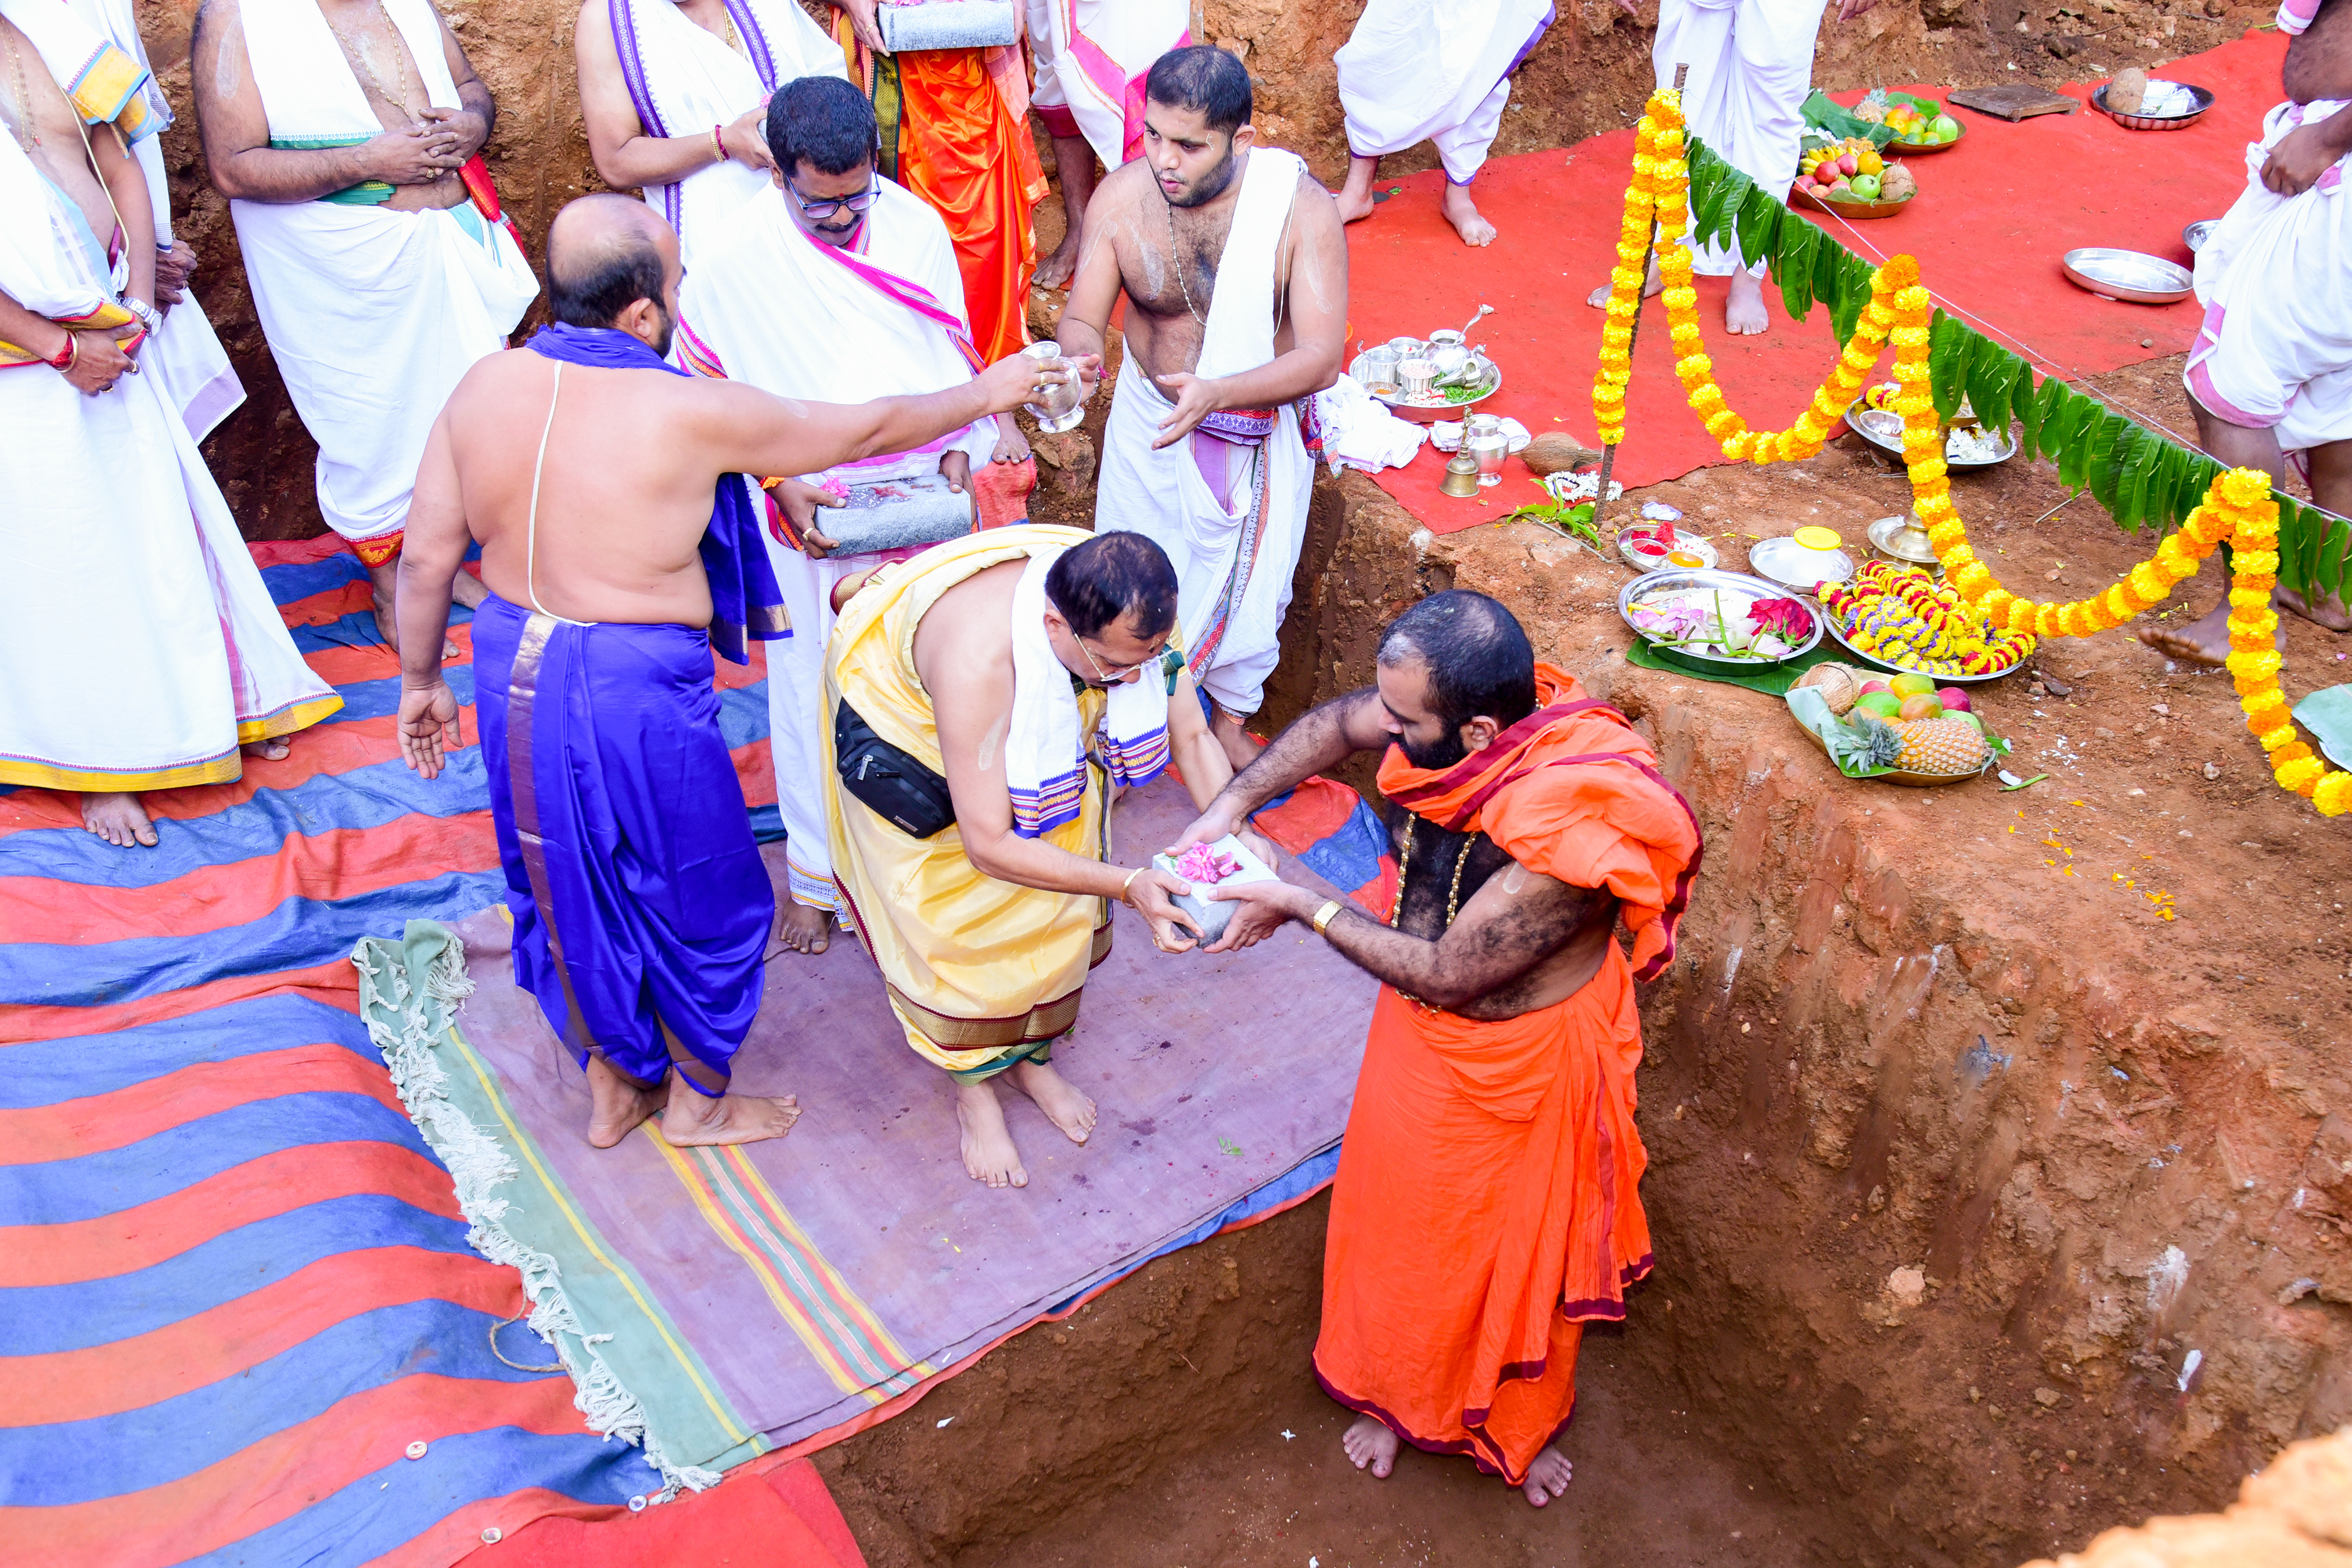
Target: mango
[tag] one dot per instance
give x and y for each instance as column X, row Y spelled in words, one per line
column 1878, row 704
column 1912, row 684
column 1921, row 706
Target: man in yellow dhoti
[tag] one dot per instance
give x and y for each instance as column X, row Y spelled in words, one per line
column 980, row 700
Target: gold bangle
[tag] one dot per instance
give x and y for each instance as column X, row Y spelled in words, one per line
column 1324, row 916
column 1123, row 887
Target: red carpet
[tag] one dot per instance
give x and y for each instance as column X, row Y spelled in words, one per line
column 1993, row 218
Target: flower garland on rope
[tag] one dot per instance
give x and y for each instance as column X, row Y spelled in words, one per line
column 2238, row 507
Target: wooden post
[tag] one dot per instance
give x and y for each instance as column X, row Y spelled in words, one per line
column 1633, row 335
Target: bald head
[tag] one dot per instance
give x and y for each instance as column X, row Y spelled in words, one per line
column 610, row 258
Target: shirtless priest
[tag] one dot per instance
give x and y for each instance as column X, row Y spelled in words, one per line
column 1236, row 270
column 1487, row 1206
column 641, row 905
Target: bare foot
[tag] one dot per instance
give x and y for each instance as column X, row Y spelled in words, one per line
column 693, row 1120
column 617, row 1105
column 1055, row 271
column 2328, row 613
column 1548, row 1477
column 803, row 929
column 1240, row 747
column 271, row 749
column 1370, row 1446
column 1743, row 312
column 1012, row 446
column 1463, row 215
column 1355, row 197
column 1599, row 298
column 1064, row 1106
column 121, row 819
column 2203, row 641
column 989, row 1155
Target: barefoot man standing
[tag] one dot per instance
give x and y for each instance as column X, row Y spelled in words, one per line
column 1485, row 1208
column 641, row 905
column 1236, row 270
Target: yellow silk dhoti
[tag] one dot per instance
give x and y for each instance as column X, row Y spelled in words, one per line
column 983, row 974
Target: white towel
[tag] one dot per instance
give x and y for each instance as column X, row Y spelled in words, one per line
column 1358, row 432
column 1044, row 755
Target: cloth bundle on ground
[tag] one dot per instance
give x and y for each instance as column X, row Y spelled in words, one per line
column 1486, row 1203
column 1413, row 72
column 1228, row 503
column 372, row 315
column 774, row 307
column 2276, row 348
column 1092, row 56
column 981, row 974
column 128, row 590
column 1751, row 65
column 1358, row 432
column 685, row 80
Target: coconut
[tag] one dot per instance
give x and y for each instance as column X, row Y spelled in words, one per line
column 1897, row 185
column 1551, row 453
column 2128, row 91
column 1839, row 685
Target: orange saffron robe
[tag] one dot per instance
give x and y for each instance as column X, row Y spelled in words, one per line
column 1486, row 1204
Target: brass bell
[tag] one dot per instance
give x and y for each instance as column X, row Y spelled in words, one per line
column 1460, row 475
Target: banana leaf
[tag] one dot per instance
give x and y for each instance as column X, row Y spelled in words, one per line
column 2115, row 443
column 1840, row 122
column 1793, row 266
column 2298, row 549
column 2025, row 407
column 2330, row 577
column 1948, row 364
column 1707, row 196
column 1829, row 282
column 1759, row 226
column 1992, row 370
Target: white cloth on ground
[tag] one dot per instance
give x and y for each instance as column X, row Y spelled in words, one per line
column 1044, row 755
column 771, row 307
column 1413, row 71
column 2275, row 279
column 690, row 80
column 1234, row 537
column 374, row 316
column 1358, row 432
column 135, row 629
column 1446, row 435
column 186, row 356
column 1751, row 67
column 1092, row 56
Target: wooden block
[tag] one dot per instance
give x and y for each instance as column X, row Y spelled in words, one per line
column 2013, row 101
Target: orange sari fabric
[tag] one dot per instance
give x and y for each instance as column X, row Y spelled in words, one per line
column 962, row 151
column 1487, row 1204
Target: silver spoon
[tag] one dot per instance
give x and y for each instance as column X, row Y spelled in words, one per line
column 1484, row 312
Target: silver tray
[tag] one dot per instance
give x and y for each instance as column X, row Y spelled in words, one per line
column 1859, row 417
column 2131, row 275
column 1430, row 413
column 1829, row 620
column 2195, row 235
column 2154, row 121
column 1697, row 577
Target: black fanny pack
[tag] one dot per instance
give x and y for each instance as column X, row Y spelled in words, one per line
column 892, row 784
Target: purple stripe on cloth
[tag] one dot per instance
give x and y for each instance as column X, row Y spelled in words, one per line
column 1551, row 15
column 641, row 905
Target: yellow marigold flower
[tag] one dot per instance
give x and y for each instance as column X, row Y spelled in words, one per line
column 1686, row 337
column 1608, row 400
column 1932, row 469
column 1908, row 337
column 1878, row 317
column 1695, row 369
column 1949, row 537
column 2273, row 740
column 1708, row 401
column 1913, row 299
column 2174, row 559
column 2262, row 662
column 2254, row 562
column 1616, row 335
column 2334, row 794
column 1973, row 577
column 1621, row 309
column 2149, row 583
column 2244, row 487
column 1683, row 298
column 1735, row 446
column 1931, row 497
column 2250, row 600
column 2117, row 603
column 2301, row 774
column 1898, row 271
column 1722, row 423
column 1761, row 449
column 2018, row 617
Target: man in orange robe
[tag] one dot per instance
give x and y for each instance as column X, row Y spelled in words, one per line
column 1485, row 1207
column 955, row 131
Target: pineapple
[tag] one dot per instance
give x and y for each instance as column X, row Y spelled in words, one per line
column 1947, row 745
column 1886, row 745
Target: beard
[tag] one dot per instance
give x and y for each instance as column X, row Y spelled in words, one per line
column 1437, row 755
column 1209, row 187
column 668, row 330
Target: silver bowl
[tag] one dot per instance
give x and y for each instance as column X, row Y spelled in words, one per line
column 1675, row 577
column 2195, row 235
column 2154, row 121
column 2132, row 275
column 1884, row 431
column 1784, row 561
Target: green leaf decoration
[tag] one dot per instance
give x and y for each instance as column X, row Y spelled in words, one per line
column 2114, row 441
column 1761, row 218
column 2026, row 407
column 2330, row 577
column 2170, row 479
column 1829, row 281
column 2021, row 390
column 1948, row 364
column 2295, row 546
column 1793, row 267
column 1992, row 370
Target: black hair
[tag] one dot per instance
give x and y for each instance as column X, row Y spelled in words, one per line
column 1205, row 79
column 1113, row 575
column 823, row 122
column 618, row 270
column 1477, row 655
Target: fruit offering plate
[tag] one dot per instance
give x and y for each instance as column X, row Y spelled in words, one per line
column 1827, row 704
column 1905, row 775
column 1711, row 618
column 1841, row 208
column 1963, row 449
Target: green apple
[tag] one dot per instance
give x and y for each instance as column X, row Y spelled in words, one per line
column 1946, row 128
column 1864, row 186
column 1878, row 704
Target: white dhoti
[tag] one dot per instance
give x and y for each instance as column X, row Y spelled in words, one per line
column 684, row 80
column 1751, row 67
column 1092, row 56
column 1228, row 503
column 2275, row 279
column 883, row 316
column 139, row 643
column 372, row 315
column 1413, row 73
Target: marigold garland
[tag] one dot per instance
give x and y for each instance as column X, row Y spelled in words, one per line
column 2238, row 507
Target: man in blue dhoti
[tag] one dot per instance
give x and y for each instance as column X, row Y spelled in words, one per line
column 642, row 908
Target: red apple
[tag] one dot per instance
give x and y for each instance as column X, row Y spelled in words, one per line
column 1955, row 700
column 1847, row 164
column 1869, row 686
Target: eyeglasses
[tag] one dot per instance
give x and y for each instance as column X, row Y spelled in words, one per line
column 818, row 211
column 1113, row 673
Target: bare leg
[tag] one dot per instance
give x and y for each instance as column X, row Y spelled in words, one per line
column 694, row 1119
column 989, row 1153
column 1464, row 214
column 468, row 590
column 618, row 1103
column 1370, row 1446
column 1743, row 313
column 1355, row 195
column 1064, row 1106
column 1241, row 748
column 119, row 818
column 803, row 929
column 385, row 581
column 1074, row 163
column 1599, row 298
column 1548, row 1477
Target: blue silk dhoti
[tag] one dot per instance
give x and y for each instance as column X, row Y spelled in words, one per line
column 640, row 906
